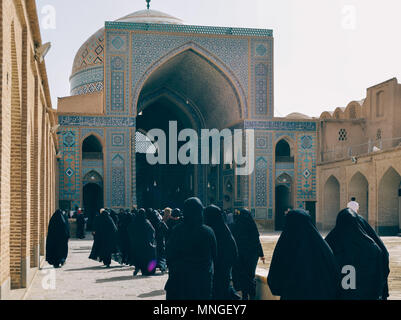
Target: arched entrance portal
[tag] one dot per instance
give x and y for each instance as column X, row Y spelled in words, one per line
column 331, row 203
column 359, row 188
column 92, row 195
column 196, row 93
column 163, row 185
column 389, row 203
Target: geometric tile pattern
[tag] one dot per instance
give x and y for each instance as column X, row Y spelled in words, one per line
column 270, row 172
column 87, row 81
column 261, row 182
column 227, row 31
column 98, row 121
column 117, row 140
column 118, row 192
column 281, row 125
column 69, row 164
column 118, row 181
column 91, row 53
column 261, row 143
column 118, row 43
column 87, row 88
column 261, row 89
column 117, row 91
column 261, row 191
column 262, row 79
column 306, row 142
column 260, row 50
column 117, row 73
column 85, row 132
column 306, row 169
column 288, row 134
column 232, row 52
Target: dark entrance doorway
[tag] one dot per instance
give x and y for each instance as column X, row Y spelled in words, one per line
column 163, row 185
column 283, row 202
column 93, row 202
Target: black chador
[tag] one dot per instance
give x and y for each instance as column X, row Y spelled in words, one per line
column 130, row 227
column 113, row 215
column 191, row 253
column 161, row 231
column 303, row 266
column 123, row 240
column 57, row 240
column 80, row 226
column 385, row 254
column 226, row 253
column 105, row 239
column 247, row 237
column 354, row 247
column 142, row 244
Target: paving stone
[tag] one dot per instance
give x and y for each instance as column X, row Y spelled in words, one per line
column 83, row 279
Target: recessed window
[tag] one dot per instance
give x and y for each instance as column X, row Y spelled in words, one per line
column 92, row 149
column 380, row 104
column 283, row 152
column 342, row 135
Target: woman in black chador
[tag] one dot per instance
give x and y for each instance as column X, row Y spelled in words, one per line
column 226, row 253
column 105, row 238
column 191, row 253
column 124, row 218
column 57, row 240
column 385, row 254
column 161, row 231
column 303, row 266
column 113, row 215
column 247, row 237
column 80, row 225
column 142, row 244
column 353, row 246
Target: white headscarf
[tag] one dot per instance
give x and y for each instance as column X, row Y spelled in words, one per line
column 353, row 205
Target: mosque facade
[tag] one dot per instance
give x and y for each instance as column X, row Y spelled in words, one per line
column 145, row 70
column 148, row 68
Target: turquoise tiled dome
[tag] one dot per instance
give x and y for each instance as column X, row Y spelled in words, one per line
column 87, row 70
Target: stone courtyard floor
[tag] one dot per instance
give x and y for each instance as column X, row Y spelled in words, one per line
column 84, row 279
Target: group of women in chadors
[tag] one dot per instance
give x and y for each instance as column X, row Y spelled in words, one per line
column 351, row 263
column 208, row 259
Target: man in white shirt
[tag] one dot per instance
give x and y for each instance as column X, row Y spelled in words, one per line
column 353, row 205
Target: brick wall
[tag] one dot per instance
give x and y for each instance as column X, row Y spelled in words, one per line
column 27, row 146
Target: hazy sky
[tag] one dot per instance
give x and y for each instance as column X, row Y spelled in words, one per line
column 327, row 52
